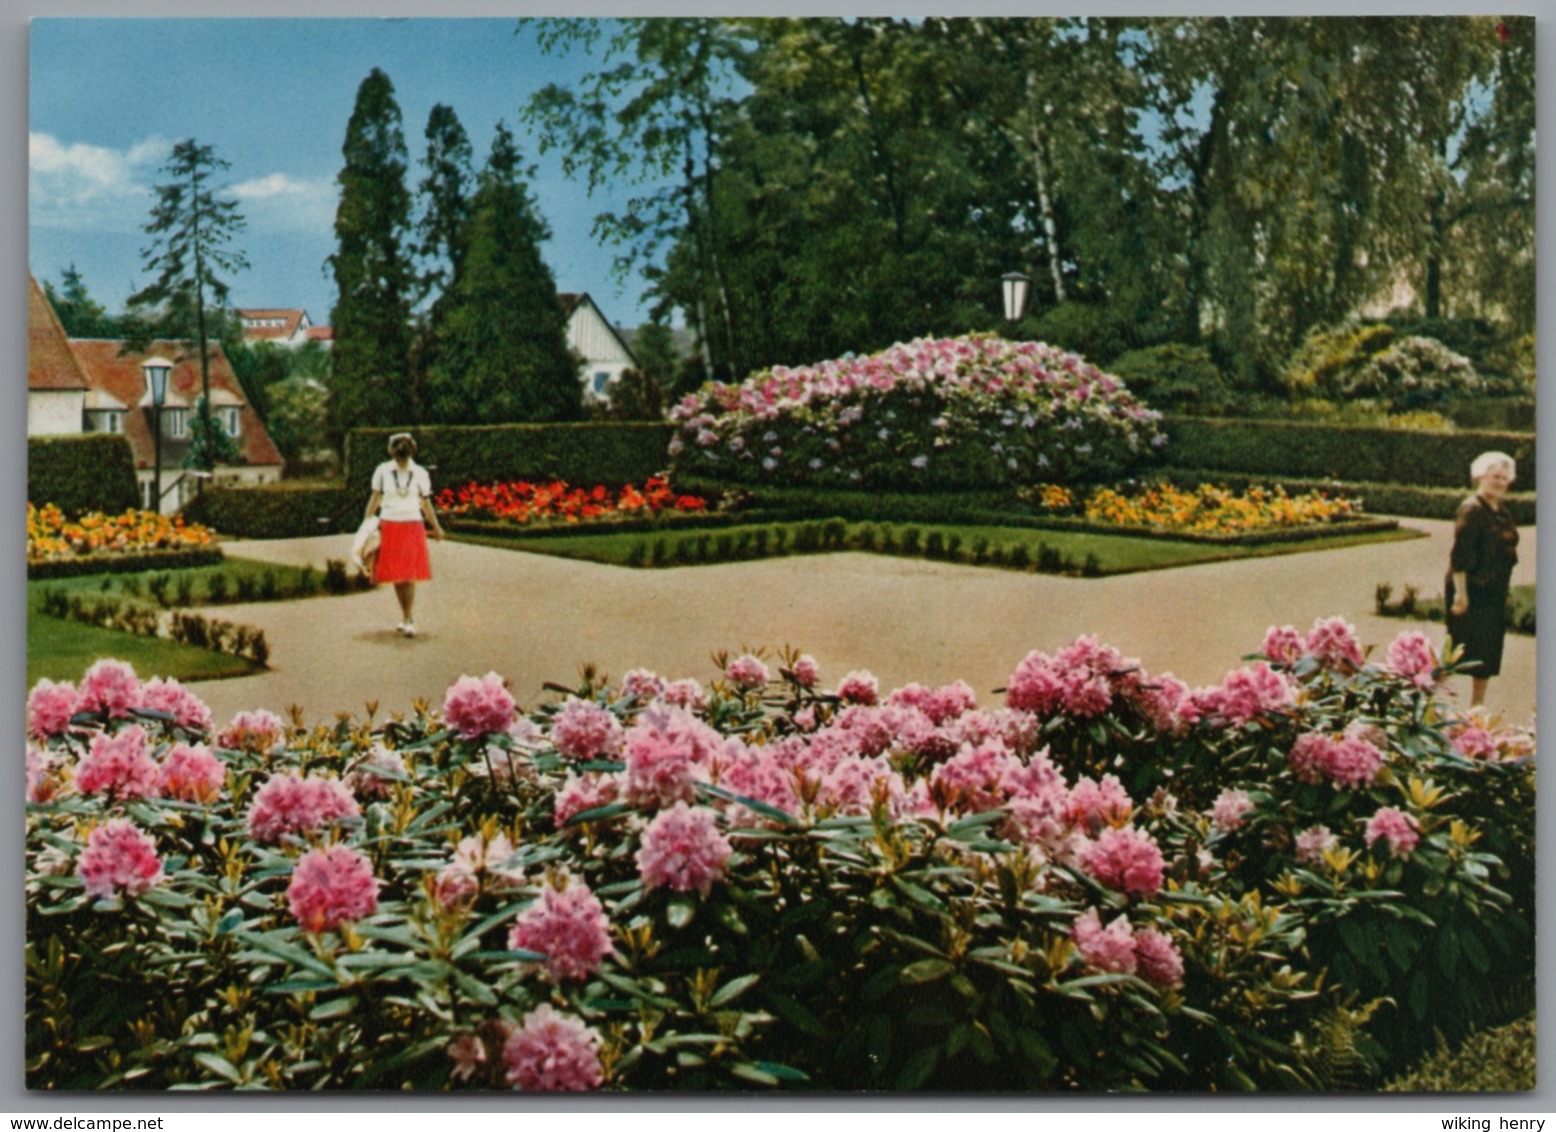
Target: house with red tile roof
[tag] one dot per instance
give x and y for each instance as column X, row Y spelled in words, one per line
column 285, row 326
column 77, row 385
column 605, row 352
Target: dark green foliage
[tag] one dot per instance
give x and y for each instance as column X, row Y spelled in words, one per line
column 1475, row 338
column 1279, row 448
column 81, row 474
column 1173, row 376
column 583, row 453
column 125, row 564
column 374, row 279
column 80, row 314
column 1502, row 414
column 1094, row 331
column 1500, row 1059
column 634, row 396
column 280, row 510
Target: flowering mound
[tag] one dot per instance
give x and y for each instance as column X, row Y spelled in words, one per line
column 537, row 504
column 974, row 411
column 1105, row 880
column 1208, row 509
column 51, row 537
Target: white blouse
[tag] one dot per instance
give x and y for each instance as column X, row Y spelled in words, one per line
column 401, row 492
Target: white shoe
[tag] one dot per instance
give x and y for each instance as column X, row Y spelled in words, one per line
column 409, row 628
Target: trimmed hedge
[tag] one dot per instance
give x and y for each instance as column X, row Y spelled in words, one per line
column 1509, row 414
column 1354, row 454
column 588, row 453
column 278, row 510
column 125, row 563
column 1337, row 529
column 824, row 503
column 1378, row 498
column 81, row 474
column 496, row 528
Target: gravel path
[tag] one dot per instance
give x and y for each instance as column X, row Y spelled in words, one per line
column 535, row 618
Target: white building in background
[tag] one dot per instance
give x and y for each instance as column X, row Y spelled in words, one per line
column 606, row 355
column 57, row 387
column 285, row 326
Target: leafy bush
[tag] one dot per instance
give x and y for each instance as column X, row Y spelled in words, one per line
column 82, row 474
column 1290, row 449
column 1414, row 373
column 971, row 412
column 1500, row 1059
column 1174, row 376
column 1475, row 338
column 1092, row 330
column 1329, row 357
column 1502, row 414
column 759, row 884
column 289, row 509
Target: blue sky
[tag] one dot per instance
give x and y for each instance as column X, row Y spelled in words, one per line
column 109, row 97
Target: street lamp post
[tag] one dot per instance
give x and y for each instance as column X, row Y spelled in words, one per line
column 1015, row 286
column 156, row 371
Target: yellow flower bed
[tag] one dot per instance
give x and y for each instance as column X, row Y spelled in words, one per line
column 51, row 538
column 1207, row 509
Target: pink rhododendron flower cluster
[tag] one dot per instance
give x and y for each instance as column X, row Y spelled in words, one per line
column 859, row 687
column 1349, row 761
column 582, row 792
column 1248, row 693
column 569, row 927
column 1128, row 860
column 119, row 764
column 191, row 773
column 805, row 671
column 667, row 752
column 1120, row 949
column 1332, row 640
column 1092, row 804
column 44, row 782
column 331, row 887
column 120, row 859
column 682, row 850
column 110, row 688
column 643, row 684
column 582, row 730
column 1230, row 809
column 256, row 731
column 686, row 693
column 478, row 705
column 1313, row 843
column 747, row 673
column 1087, row 678
column 168, row 695
column 375, row 773
column 1399, row 829
column 289, row 804
column 49, row 708
column 1283, row 645
column 1411, row 657
column 477, row 858
column 551, row 1052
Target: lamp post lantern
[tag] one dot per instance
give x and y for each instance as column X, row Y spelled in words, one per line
column 1015, row 286
column 156, row 371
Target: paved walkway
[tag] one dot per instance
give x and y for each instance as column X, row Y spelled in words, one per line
column 534, row 618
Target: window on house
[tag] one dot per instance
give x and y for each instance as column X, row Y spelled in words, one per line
column 601, row 380
column 175, row 423
column 104, row 420
column 228, row 418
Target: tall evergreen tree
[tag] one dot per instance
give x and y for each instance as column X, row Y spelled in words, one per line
column 501, row 353
column 374, row 275
column 444, row 208
column 192, row 231
column 81, row 315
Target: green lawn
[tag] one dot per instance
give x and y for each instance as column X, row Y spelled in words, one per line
column 235, row 579
column 1052, row 551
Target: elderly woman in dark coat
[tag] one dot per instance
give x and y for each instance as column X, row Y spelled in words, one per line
column 1480, row 570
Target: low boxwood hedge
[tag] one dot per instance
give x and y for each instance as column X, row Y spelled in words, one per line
column 289, row 509
column 1339, row 452
column 125, row 563
column 81, row 474
column 1337, row 529
column 497, row 528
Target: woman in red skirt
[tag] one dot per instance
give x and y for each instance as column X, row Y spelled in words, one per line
column 402, row 499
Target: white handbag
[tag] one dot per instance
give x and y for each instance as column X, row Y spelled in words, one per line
column 364, row 547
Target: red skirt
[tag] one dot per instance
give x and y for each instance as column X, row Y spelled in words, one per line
column 402, row 553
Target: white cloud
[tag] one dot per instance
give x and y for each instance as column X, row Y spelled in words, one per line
column 77, row 185
column 274, row 185
column 281, row 202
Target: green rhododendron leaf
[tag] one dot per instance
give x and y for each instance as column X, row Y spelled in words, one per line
column 926, row 971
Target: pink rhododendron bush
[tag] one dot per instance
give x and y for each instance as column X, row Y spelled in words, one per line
column 974, row 411
column 1097, row 878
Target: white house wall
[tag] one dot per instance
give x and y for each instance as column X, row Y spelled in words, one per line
column 55, row 412
column 602, row 351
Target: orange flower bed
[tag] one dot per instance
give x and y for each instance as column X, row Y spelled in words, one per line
column 1207, row 509
column 51, row 538
column 521, row 501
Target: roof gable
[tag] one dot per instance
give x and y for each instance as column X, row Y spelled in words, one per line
column 50, row 364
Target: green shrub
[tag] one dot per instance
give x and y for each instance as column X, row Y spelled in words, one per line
column 1499, row 414
column 586, row 453
column 81, row 474
column 277, row 510
column 1414, row 373
column 1376, row 455
column 1327, row 357
column 1496, row 1060
column 127, row 564
column 1089, row 329
column 1475, row 338
column 1173, row 376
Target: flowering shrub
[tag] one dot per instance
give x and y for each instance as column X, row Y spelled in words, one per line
column 51, row 537
column 1109, row 881
column 557, row 502
column 1208, row 509
column 976, row 410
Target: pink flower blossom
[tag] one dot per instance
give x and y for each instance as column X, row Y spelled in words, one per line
column 1110, row 950
column 475, row 858
column 747, row 673
column 1283, row 645
column 584, row 792
column 1350, row 761
column 330, row 887
column 1399, row 829
column 49, row 708
column 687, row 694
column 682, row 849
column 582, row 730
column 805, row 671
column 1248, row 693
column 191, row 774
column 859, row 687
column 975, row 779
column 1314, row 842
column 1159, row 959
column 257, row 732
column 1474, row 742
column 667, row 752
column 1035, row 686
column 1092, row 805
column 1230, row 809
column 476, row 706
column 1125, row 859
column 642, row 684
column 109, row 688
column 1411, row 657
column 553, row 1052
column 44, row 784
column 119, row 765
column 375, row 773
column 1333, row 641
column 187, row 709
column 291, row 805
column 468, row 1053
column 569, row 927
column 119, row 858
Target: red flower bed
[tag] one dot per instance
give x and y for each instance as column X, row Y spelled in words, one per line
column 521, row 501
